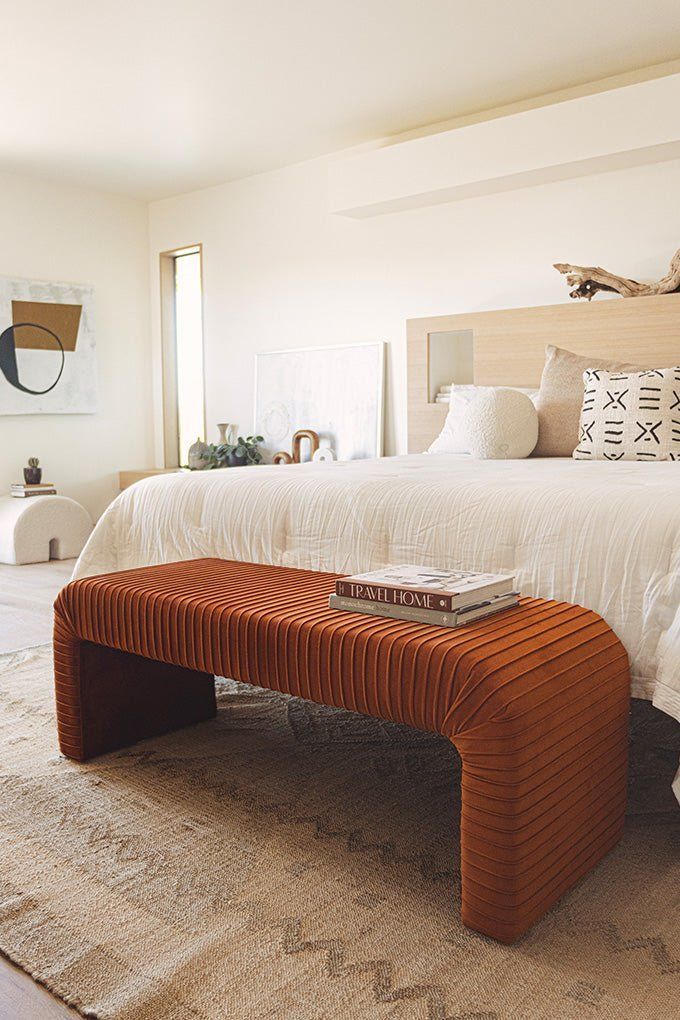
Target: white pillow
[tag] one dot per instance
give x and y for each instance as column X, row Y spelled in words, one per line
column 501, row 424
column 452, row 438
column 630, row 415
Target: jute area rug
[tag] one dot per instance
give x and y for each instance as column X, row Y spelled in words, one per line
column 290, row 861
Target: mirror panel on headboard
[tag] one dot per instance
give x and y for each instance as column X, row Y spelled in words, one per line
column 509, row 346
column 450, row 359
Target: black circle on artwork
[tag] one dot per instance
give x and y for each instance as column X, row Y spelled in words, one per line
column 8, row 357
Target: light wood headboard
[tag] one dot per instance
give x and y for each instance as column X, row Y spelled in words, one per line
column 509, row 346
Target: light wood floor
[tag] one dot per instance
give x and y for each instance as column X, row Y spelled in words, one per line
column 26, row 597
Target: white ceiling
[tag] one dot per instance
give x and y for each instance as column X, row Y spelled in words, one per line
column 157, row 97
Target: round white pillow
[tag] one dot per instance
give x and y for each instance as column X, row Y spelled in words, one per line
column 501, row 424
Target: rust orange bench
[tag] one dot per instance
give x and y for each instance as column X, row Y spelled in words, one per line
column 535, row 699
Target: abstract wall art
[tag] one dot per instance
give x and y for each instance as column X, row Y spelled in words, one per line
column 47, row 348
column 335, row 391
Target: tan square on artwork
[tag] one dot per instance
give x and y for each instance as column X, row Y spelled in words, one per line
column 64, row 320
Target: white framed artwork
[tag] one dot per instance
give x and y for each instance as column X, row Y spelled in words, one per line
column 336, row 391
column 47, row 348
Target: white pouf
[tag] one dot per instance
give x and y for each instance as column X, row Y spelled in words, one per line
column 501, row 424
column 40, row 528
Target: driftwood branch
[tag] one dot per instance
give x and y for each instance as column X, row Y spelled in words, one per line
column 586, row 281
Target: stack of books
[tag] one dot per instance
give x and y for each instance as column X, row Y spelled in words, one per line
column 21, row 491
column 445, row 598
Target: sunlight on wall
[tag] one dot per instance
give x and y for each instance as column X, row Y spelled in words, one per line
column 189, row 339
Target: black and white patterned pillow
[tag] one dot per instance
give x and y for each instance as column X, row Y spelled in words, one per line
column 630, row 415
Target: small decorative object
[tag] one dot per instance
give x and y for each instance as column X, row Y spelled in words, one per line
column 33, row 473
column 298, row 437
column 323, row 455
column 198, row 457
column 228, row 434
column 588, row 280
column 501, row 424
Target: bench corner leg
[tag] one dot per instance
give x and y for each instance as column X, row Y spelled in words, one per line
column 107, row 699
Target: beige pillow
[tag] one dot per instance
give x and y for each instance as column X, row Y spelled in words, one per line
column 560, row 397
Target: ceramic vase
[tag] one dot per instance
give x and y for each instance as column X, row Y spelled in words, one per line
column 228, row 433
column 197, row 456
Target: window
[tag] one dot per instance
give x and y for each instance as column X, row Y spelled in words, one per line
column 183, row 376
column 189, row 341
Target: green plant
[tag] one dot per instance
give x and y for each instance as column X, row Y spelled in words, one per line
column 33, row 462
column 245, row 450
column 214, row 455
column 248, row 449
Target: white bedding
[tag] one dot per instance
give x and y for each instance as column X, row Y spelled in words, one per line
column 604, row 535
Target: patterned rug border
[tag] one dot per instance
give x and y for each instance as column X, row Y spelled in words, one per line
column 305, row 729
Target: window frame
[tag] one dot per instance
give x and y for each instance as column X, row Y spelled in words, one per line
column 169, row 380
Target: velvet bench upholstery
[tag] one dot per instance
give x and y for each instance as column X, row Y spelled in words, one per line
column 535, row 699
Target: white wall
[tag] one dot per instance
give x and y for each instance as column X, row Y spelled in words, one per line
column 50, row 232
column 281, row 271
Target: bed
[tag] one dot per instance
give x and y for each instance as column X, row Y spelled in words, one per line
column 604, row 535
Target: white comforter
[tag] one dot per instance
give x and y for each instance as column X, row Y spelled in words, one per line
column 605, row 535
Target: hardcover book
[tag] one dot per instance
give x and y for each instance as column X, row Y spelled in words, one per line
column 32, row 486
column 26, row 494
column 496, row 604
column 426, row 588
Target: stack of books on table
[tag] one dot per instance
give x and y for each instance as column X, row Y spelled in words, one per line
column 445, row 598
column 21, row 491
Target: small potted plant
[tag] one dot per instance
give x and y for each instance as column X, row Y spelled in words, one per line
column 33, row 473
column 239, row 454
column 245, row 451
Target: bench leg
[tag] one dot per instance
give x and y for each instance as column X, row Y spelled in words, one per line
column 107, row 699
column 533, row 824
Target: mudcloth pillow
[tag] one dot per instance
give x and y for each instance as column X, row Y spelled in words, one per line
column 630, row 415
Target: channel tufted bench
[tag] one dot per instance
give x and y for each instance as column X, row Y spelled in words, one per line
column 535, row 700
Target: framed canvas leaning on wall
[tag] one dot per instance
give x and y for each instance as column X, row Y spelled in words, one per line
column 336, row 391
